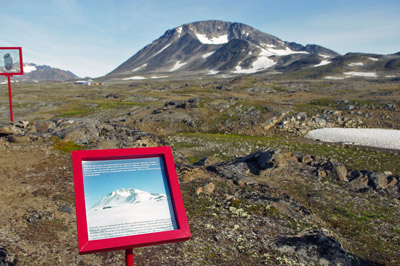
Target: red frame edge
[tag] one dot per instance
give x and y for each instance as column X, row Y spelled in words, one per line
column 20, row 61
column 85, row 245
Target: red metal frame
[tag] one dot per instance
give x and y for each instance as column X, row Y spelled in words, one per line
column 91, row 246
column 10, row 74
column 21, row 65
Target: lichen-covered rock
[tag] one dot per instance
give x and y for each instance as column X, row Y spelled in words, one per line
column 316, row 248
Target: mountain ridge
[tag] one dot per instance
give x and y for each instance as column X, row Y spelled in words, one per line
column 37, row 73
column 214, row 46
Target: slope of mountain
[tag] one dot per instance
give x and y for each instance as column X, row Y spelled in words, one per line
column 211, row 47
column 361, row 65
column 35, row 73
column 128, row 196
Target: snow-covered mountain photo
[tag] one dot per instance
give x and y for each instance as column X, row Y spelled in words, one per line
column 130, row 211
column 127, row 196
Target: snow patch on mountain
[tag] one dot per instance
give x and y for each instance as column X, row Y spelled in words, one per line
column 213, row 72
column 165, row 47
column 356, row 64
column 325, row 55
column 262, row 62
column 267, row 45
column 29, row 68
column 282, row 52
column 215, row 40
column 134, row 78
column 207, row 54
column 323, row 63
column 138, row 68
column 334, row 78
column 177, row 66
column 361, row 74
column 179, row 30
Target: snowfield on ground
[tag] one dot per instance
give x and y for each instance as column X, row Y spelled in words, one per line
column 373, row 137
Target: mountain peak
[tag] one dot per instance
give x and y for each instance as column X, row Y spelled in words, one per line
column 213, row 46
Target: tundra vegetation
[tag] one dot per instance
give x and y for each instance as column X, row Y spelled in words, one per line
column 256, row 191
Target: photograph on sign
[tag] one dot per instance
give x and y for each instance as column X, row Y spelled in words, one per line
column 10, row 61
column 126, row 197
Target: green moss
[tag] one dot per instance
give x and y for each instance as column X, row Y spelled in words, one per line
column 396, row 230
column 257, row 209
column 272, row 211
column 324, row 102
column 65, row 146
column 237, row 203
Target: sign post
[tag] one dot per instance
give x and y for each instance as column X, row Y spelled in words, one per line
column 127, row 198
column 9, row 97
column 129, row 257
column 11, row 64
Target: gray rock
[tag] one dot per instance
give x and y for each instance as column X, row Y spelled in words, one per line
column 3, row 257
column 44, row 126
column 359, row 184
column 8, row 130
column 316, row 248
column 341, row 172
column 320, row 122
column 378, row 180
column 65, row 208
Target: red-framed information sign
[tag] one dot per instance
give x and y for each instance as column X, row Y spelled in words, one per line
column 11, row 64
column 11, row 61
column 127, row 198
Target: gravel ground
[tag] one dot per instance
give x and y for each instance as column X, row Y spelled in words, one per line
column 374, row 137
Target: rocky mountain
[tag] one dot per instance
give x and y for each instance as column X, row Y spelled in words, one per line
column 355, row 65
column 212, row 47
column 35, row 73
column 127, row 196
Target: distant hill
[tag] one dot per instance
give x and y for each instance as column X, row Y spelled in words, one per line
column 35, row 73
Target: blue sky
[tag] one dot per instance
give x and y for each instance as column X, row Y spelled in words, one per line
column 91, row 38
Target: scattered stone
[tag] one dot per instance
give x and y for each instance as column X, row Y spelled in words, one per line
column 316, row 248
column 65, row 208
column 242, row 169
column 112, row 95
column 3, row 257
column 378, row 180
column 300, row 124
column 321, row 173
column 359, row 184
column 8, row 130
column 34, row 216
column 44, row 126
column 341, row 172
column 206, row 189
column 22, row 124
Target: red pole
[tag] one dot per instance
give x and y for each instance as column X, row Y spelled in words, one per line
column 9, row 97
column 129, row 257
